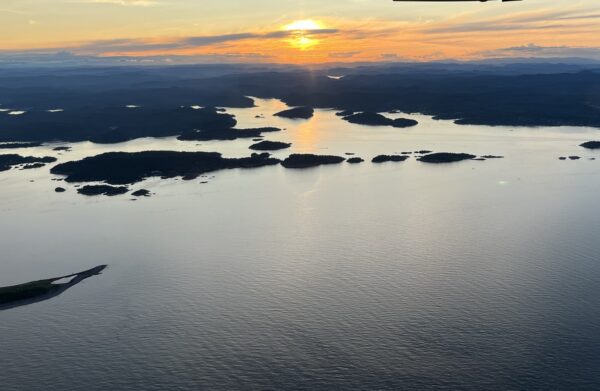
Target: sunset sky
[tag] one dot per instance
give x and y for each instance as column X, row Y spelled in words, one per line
column 302, row 31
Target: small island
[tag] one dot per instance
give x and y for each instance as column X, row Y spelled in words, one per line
column 310, row 160
column 36, row 291
column 446, row 157
column 404, row 123
column 591, row 145
column 11, row 160
column 389, row 158
column 296, row 113
column 141, row 193
column 270, row 146
column 94, row 190
column 32, row 166
column 355, row 160
column 375, row 119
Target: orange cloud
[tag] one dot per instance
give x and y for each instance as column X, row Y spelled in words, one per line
column 308, row 41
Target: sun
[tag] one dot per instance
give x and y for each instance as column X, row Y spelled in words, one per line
column 303, row 25
column 299, row 36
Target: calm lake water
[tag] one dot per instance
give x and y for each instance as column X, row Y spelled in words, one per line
column 474, row 275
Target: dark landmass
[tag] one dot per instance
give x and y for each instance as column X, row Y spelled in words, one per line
column 446, row 157
column 310, row 160
column 36, row 291
column 370, row 119
column 19, row 145
column 9, row 161
column 376, row 119
column 60, row 190
column 520, row 99
column 224, row 134
column 297, row 113
column 32, row 166
column 141, row 193
column 112, row 124
column 591, row 145
column 404, row 123
column 94, row 98
column 62, row 148
column 355, row 160
column 119, row 168
column 270, row 146
column 94, row 190
column 389, row 158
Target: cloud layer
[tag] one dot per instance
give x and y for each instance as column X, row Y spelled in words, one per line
column 566, row 31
